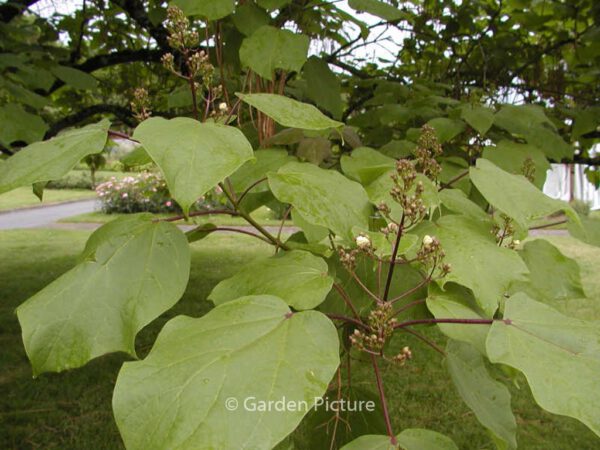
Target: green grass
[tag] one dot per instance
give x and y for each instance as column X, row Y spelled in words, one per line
column 24, row 197
column 263, row 215
column 72, row 410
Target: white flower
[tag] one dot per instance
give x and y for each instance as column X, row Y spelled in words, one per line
column 223, row 107
column 363, row 242
column 427, row 240
column 517, row 242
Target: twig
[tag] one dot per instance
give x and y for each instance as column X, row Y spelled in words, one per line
column 453, row 180
column 388, row 282
column 459, row 321
column 386, row 414
column 249, row 188
column 428, row 341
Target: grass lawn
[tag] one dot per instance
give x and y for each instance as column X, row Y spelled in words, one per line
column 263, row 215
column 72, row 410
column 24, row 197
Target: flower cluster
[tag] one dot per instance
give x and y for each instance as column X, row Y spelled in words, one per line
column 381, row 324
column 140, row 104
column 431, row 255
column 425, row 152
column 407, row 192
column 197, row 65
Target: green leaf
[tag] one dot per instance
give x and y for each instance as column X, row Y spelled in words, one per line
column 252, row 350
column 74, row 77
column 193, row 156
column 409, row 439
column 530, row 122
column 270, row 48
column 586, row 230
column 477, row 261
column 552, row 276
column 200, row 232
column 248, row 18
column 289, row 112
column 378, row 8
column 50, row 160
column 487, row 398
column 446, row 129
column 312, row 233
column 457, row 202
column 207, row 9
column 266, row 160
column 24, row 95
column 365, row 164
column 272, row 4
column 511, row 156
column 297, row 277
column 99, row 306
column 457, row 302
column 322, row 197
column 322, row 86
column 514, row 195
column 19, row 125
column 137, row 157
column 480, row 118
column 314, row 150
column 559, row 356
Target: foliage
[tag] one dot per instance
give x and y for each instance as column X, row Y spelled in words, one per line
column 411, row 209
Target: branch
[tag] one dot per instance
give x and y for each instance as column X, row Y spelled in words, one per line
column 118, row 111
column 13, row 8
column 136, row 9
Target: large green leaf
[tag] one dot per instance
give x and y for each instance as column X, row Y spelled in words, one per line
column 552, row 275
column 446, row 129
column 530, row 122
column 19, row 125
column 365, row 164
column 322, row 197
column 514, row 195
column 322, row 86
column 409, row 439
column 49, row 160
column 487, row 398
column 270, row 48
column 133, row 270
column 297, row 277
column 457, row 202
column 248, row 18
column 378, row 8
column 289, row 112
column 586, row 229
column 193, row 156
column 457, row 302
column 266, row 160
column 207, row 9
column 559, row 355
column 75, row 77
column 250, row 350
column 511, row 156
column 477, row 261
column 478, row 117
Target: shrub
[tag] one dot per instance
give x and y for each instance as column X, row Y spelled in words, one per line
column 144, row 192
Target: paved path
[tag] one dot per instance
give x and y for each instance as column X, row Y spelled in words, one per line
column 45, row 215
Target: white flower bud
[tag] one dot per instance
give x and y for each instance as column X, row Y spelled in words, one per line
column 427, row 240
column 517, row 242
column 363, row 242
column 223, row 107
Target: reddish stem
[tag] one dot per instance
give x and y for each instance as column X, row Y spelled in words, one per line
column 198, row 213
column 386, row 414
column 388, row 282
column 461, row 321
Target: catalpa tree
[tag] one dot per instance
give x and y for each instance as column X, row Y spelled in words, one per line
column 411, row 187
